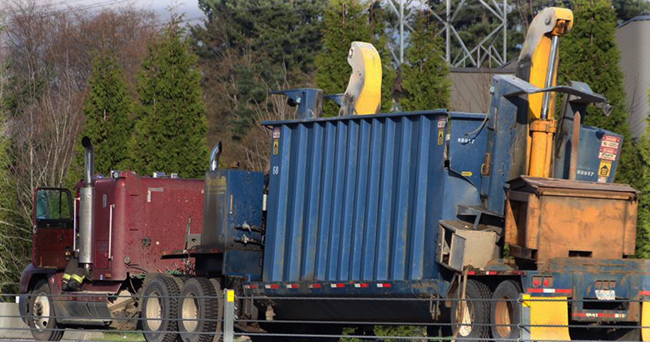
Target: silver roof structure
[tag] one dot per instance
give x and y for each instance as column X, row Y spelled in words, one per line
column 633, row 38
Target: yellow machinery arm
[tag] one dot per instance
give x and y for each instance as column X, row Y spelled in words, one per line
column 538, row 65
column 363, row 94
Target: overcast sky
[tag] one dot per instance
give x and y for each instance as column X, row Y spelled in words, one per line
column 189, row 7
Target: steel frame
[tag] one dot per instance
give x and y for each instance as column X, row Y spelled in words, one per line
column 485, row 52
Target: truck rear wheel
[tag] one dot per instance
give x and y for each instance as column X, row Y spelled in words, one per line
column 159, row 310
column 505, row 311
column 41, row 314
column 198, row 311
column 471, row 320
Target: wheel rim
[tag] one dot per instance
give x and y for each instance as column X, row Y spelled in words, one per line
column 465, row 316
column 503, row 317
column 154, row 311
column 190, row 313
column 41, row 310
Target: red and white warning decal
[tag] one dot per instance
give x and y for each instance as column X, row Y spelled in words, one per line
column 607, row 153
column 442, row 123
column 610, row 141
column 276, row 133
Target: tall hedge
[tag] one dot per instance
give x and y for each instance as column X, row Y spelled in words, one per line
column 643, row 185
column 170, row 133
column 108, row 114
column 425, row 75
column 347, row 21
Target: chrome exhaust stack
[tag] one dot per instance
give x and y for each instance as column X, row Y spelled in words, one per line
column 87, row 207
column 214, row 156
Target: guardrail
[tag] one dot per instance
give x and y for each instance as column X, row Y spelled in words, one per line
column 231, row 324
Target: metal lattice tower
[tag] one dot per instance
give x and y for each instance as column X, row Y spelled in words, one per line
column 485, row 52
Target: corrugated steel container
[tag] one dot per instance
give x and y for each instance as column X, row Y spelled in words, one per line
column 357, row 198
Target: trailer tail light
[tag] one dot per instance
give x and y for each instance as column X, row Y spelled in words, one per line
column 605, row 284
column 314, row 286
column 542, row 282
column 548, row 282
column 383, row 285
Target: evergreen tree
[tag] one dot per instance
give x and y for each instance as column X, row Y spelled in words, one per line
column 588, row 53
column 247, row 48
column 346, row 21
column 109, row 124
column 643, row 185
column 170, row 133
column 628, row 9
column 286, row 32
column 425, row 75
column 379, row 16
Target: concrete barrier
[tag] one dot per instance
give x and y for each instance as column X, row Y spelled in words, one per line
column 12, row 326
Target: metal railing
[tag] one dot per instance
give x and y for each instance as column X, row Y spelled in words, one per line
column 331, row 329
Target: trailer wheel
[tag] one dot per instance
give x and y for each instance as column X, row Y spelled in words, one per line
column 159, row 310
column 198, row 311
column 42, row 322
column 472, row 319
column 505, row 310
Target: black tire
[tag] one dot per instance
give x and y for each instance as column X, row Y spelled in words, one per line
column 473, row 324
column 505, row 310
column 159, row 310
column 42, row 321
column 198, row 310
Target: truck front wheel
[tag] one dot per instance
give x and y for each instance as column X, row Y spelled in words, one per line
column 41, row 314
column 470, row 318
column 159, row 310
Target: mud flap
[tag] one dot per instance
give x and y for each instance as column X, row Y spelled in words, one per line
column 645, row 321
column 539, row 315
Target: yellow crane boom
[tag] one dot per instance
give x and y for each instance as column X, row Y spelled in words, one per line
column 538, row 65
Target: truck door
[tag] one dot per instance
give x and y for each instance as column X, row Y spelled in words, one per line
column 53, row 227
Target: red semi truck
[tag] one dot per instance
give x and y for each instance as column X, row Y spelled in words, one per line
column 129, row 222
